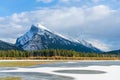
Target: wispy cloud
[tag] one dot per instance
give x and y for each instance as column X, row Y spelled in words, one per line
column 100, row 23
column 101, row 45
column 96, row 1
column 66, row 1
column 44, row 1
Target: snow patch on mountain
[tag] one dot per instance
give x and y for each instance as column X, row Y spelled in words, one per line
column 39, row 37
column 41, row 27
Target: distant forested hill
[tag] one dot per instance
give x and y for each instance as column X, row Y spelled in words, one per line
column 114, row 52
column 7, row 46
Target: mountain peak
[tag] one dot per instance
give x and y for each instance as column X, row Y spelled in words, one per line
column 39, row 37
column 41, row 26
column 38, row 27
column 34, row 29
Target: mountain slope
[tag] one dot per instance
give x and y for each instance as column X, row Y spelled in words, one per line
column 7, row 46
column 113, row 52
column 39, row 37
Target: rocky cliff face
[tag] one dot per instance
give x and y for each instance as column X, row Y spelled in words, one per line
column 8, row 46
column 39, row 37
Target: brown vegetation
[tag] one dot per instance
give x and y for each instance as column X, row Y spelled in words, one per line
column 22, row 63
column 52, row 54
column 10, row 78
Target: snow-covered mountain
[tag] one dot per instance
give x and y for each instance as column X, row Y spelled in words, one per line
column 8, row 46
column 39, row 37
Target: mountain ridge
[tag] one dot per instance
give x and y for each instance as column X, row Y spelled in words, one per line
column 39, row 37
column 113, row 52
column 8, row 46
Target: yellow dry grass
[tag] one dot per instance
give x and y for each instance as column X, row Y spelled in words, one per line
column 10, row 78
column 22, row 63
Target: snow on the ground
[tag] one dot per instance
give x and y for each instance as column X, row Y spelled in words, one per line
column 112, row 72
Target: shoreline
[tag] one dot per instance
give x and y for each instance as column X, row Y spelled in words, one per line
column 56, row 60
column 59, row 58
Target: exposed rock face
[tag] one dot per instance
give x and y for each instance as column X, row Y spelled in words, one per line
column 39, row 37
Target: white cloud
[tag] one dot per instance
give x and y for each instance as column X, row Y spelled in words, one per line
column 66, row 1
column 99, row 12
column 9, row 40
column 97, row 22
column 95, row 1
column 44, row 1
column 102, row 46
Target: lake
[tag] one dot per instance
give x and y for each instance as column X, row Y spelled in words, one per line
column 72, row 70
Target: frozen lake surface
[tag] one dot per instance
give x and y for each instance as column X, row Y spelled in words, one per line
column 79, row 70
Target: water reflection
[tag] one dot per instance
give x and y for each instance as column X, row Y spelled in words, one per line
column 79, row 64
column 66, row 65
column 34, row 76
column 80, row 71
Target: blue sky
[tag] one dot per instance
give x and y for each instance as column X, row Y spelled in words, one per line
column 96, row 21
column 8, row 7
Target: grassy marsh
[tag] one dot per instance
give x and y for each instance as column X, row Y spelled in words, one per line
column 10, row 78
column 22, row 63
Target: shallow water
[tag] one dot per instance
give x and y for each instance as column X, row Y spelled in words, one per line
column 80, row 71
column 35, row 76
column 96, row 70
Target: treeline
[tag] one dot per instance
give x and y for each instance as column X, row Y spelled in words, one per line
column 51, row 53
